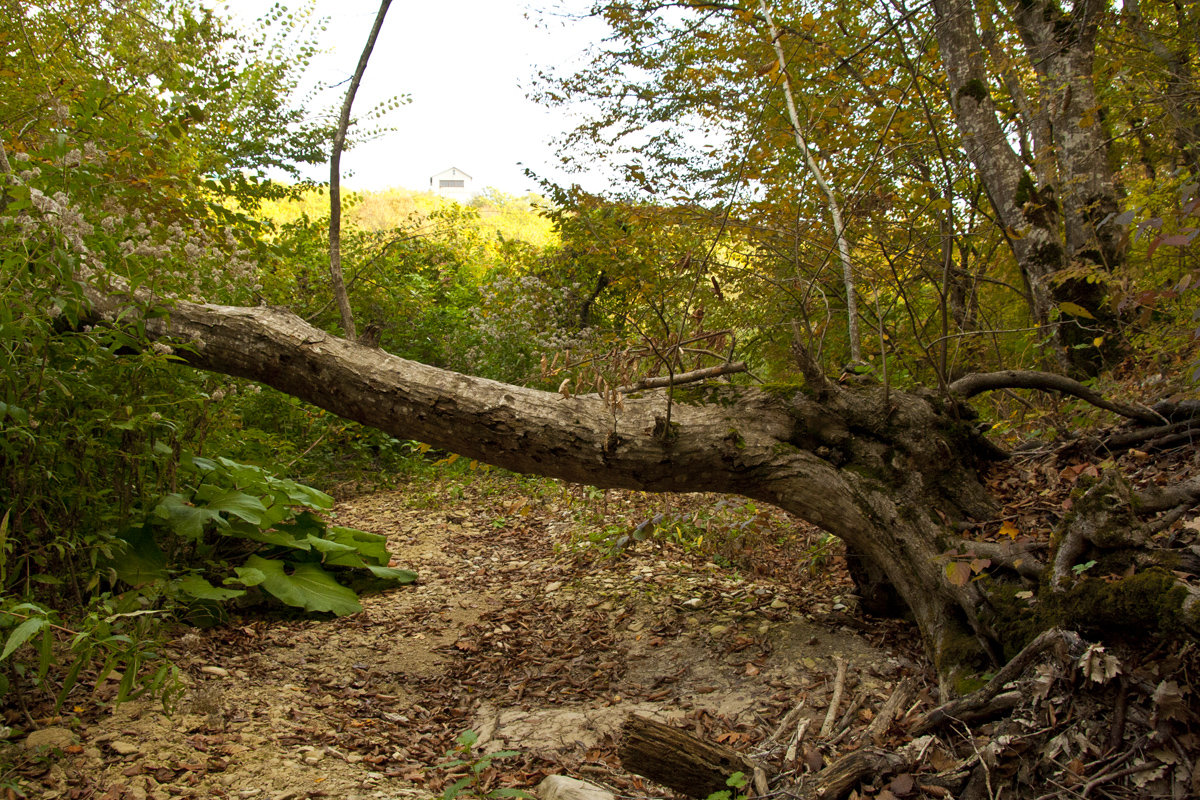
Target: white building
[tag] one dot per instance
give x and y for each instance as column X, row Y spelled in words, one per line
column 452, row 183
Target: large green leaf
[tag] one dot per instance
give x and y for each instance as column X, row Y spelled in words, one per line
column 232, row 501
column 308, row 587
column 393, row 573
column 142, row 561
column 184, row 519
column 199, row 588
column 372, row 546
column 303, row 495
column 329, row 547
column 247, row 576
column 276, row 536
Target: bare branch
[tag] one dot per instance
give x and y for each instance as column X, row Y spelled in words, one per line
column 980, row 382
column 684, row 377
column 1055, row 637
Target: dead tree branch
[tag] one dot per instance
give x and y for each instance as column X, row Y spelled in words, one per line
column 684, row 377
column 979, row 382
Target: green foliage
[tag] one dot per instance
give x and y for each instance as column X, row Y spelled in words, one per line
column 736, row 782
column 238, row 525
column 117, row 634
column 464, row 756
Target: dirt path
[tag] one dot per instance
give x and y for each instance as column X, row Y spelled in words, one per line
column 514, row 632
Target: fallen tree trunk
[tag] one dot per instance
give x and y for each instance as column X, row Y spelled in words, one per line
column 891, row 473
column 678, row 760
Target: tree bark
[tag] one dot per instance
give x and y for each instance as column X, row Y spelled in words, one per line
column 678, row 760
column 1051, row 227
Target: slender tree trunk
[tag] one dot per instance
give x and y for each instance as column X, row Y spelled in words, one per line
column 335, row 181
column 818, row 175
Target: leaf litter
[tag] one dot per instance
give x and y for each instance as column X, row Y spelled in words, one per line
column 530, row 628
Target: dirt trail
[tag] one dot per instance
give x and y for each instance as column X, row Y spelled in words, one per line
column 510, row 632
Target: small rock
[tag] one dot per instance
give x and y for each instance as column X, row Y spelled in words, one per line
column 693, row 602
column 778, row 604
column 220, row 672
column 314, row 757
column 124, row 748
column 560, row 787
column 60, row 738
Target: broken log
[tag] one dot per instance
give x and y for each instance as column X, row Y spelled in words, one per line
column 678, row 760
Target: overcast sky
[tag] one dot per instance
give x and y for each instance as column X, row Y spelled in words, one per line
column 468, row 65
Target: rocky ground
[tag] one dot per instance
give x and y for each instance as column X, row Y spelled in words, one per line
column 540, row 623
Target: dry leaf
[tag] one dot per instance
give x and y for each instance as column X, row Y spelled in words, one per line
column 1098, row 665
column 1168, row 701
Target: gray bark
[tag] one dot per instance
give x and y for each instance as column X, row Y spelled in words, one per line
column 1050, row 227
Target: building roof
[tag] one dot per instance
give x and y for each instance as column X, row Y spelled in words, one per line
column 450, row 170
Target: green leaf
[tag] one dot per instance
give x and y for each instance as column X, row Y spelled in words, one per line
column 275, row 536
column 197, row 587
column 232, row 501
column 372, row 546
column 303, row 495
column 249, row 576
column 1075, row 310
column 328, row 547
column 142, row 561
column 308, row 586
column 453, row 789
column 184, row 519
column 21, row 634
column 393, row 573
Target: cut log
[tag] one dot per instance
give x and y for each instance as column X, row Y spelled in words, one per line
column 678, row 760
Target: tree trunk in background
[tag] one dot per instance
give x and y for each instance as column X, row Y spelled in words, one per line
column 1061, row 232
column 335, row 181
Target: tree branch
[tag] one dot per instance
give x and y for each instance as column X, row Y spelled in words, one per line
column 335, row 181
column 684, row 377
column 979, row 382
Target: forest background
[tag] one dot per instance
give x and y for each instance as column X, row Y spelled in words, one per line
column 798, row 176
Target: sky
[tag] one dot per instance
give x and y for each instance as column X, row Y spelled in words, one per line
column 467, row 65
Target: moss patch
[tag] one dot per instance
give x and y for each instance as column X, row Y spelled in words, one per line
column 1146, row 603
column 974, row 89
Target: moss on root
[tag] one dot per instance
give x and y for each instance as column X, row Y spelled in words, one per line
column 1149, row 602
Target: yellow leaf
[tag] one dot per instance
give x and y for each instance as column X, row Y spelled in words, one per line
column 1075, row 310
column 1009, row 530
column 1098, row 341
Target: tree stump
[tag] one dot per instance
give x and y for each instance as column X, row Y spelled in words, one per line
column 678, row 760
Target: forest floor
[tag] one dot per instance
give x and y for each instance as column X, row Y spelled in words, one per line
column 532, row 628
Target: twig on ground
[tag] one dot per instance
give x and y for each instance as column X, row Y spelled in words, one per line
column 887, row 712
column 839, row 686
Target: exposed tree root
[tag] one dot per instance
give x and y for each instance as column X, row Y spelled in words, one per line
column 1068, row 643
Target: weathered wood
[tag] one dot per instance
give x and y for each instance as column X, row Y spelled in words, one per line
column 835, row 781
column 678, row 760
